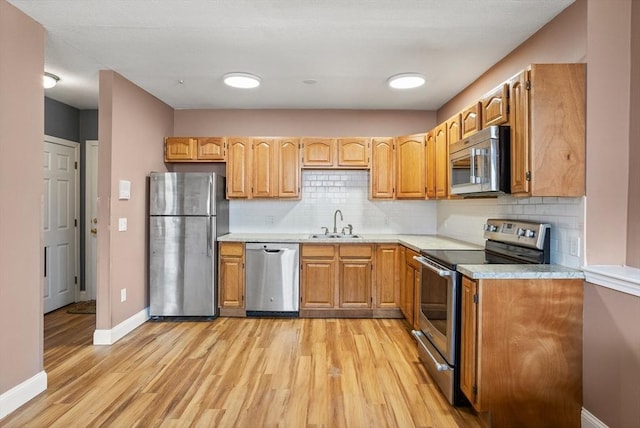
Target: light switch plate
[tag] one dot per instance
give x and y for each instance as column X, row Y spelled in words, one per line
column 124, row 189
column 122, row 224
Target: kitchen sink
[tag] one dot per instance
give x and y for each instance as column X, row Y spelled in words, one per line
column 334, row 235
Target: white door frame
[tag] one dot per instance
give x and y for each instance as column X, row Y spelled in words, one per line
column 91, row 195
column 76, row 149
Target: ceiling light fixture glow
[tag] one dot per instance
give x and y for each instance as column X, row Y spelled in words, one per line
column 406, row 81
column 49, row 80
column 242, row 80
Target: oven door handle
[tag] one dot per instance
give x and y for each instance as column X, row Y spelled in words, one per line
column 424, row 262
column 439, row 366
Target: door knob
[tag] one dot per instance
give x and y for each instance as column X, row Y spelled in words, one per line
column 94, row 230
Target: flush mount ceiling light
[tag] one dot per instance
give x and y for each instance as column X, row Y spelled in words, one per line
column 406, row 81
column 242, row 80
column 49, row 80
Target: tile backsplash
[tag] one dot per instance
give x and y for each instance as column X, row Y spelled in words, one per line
column 464, row 219
column 324, row 191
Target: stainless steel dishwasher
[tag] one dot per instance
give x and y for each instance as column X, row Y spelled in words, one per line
column 272, row 279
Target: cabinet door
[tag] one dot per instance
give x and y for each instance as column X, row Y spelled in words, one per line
column 238, row 167
column 442, row 162
column 231, row 276
column 382, row 168
column 355, row 283
column 387, row 278
column 470, row 120
column 317, row 283
column 430, row 150
column 519, row 128
column 288, row 168
column 454, row 132
column 318, row 152
column 468, row 356
column 495, row 106
column 353, row 152
column 211, row 149
column 179, row 149
column 410, row 167
column 265, row 174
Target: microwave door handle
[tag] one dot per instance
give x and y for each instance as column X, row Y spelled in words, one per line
column 424, row 262
column 472, row 169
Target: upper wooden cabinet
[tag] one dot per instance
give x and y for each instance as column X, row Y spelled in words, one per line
column 442, row 161
column 239, row 167
column 410, row 167
column 495, row 106
column 179, row 149
column 547, row 120
column 382, row 177
column 523, row 366
column 288, row 167
column 211, row 149
column 471, row 119
column 265, row 168
column 454, row 130
column 318, row 152
column 343, row 153
column 195, row 149
column 353, row 152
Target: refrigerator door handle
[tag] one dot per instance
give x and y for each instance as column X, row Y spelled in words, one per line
column 209, row 237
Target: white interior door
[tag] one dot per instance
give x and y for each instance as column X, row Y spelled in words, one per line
column 91, row 220
column 60, row 222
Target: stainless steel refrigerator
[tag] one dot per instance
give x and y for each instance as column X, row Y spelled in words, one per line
column 187, row 212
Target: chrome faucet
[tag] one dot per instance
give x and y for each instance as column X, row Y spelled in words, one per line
column 335, row 228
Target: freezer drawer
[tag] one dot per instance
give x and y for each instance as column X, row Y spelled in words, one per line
column 182, row 266
column 272, row 286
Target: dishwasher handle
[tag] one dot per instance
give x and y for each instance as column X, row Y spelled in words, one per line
column 270, row 251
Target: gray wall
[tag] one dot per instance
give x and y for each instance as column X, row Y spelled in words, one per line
column 63, row 121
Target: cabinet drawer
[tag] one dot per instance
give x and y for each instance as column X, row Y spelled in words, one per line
column 356, row 251
column 324, row 251
column 409, row 259
column 231, row 249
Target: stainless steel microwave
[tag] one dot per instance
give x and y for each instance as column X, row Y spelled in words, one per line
column 480, row 165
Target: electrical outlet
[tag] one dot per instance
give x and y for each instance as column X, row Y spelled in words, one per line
column 123, row 294
column 574, row 249
column 268, row 220
column 386, row 220
column 122, row 224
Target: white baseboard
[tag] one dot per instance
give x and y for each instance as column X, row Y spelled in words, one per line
column 590, row 421
column 20, row 394
column 109, row 337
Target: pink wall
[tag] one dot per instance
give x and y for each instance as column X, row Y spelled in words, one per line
column 611, row 379
column 633, row 226
column 608, row 119
column 564, row 39
column 132, row 128
column 318, row 123
column 21, row 145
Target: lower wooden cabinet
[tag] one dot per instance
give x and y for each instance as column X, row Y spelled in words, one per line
column 521, row 350
column 349, row 280
column 410, row 288
column 231, row 284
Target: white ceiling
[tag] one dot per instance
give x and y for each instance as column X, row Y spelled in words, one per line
column 350, row 47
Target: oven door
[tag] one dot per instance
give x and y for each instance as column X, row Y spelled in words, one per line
column 437, row 317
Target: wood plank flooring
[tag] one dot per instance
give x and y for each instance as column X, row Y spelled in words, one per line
column 235, row 372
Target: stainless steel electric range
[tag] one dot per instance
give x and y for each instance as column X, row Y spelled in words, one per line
column 507, row 242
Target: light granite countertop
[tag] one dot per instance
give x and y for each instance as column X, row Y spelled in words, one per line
column 516, row 271
column 415, row 242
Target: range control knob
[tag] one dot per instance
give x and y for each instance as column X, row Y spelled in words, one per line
column 530, row 233
column 520, row 232
column 490, row 227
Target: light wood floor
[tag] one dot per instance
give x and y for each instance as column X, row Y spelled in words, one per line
column 236, row 372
